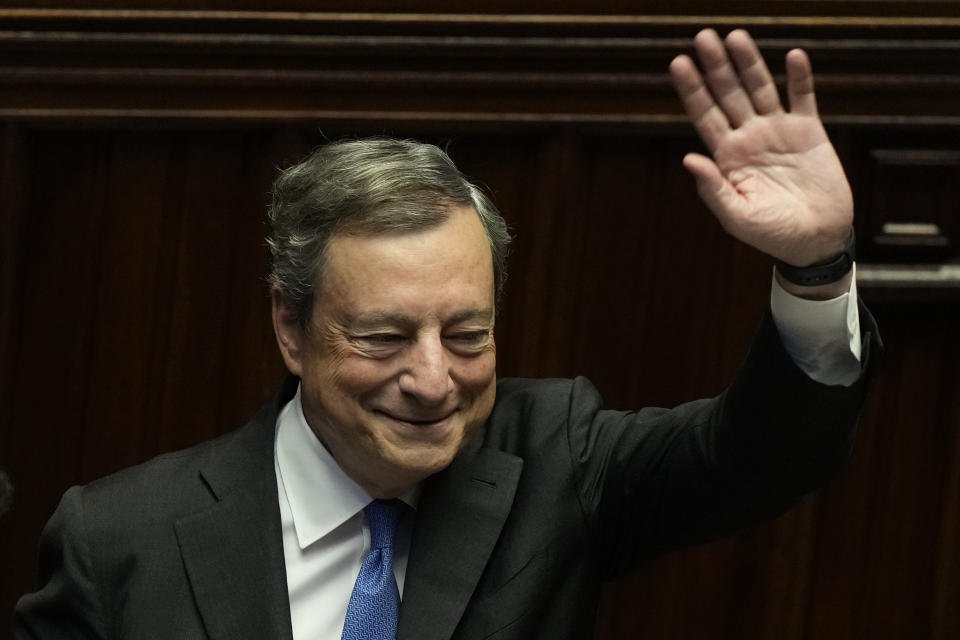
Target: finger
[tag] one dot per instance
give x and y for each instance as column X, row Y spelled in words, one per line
column 803, row 101
column 722, row 78
column 754, row 73
column 707, row 118
column 715, row 190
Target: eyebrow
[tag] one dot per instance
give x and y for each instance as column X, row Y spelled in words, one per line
column 471, row 314
column 401, row 319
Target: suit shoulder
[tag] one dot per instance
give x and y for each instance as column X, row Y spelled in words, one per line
column 533, row 409
column 511, row 386
column 545, row 391
column 166, row 484
column 165, row 463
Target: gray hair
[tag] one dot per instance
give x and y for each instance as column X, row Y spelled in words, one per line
column 369, row 186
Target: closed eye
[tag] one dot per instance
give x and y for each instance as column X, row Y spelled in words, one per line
column 379, row 345
column 469, row 336
column 381, row 338
column 468, row 343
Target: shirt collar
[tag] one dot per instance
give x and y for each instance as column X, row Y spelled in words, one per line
column 320, row 494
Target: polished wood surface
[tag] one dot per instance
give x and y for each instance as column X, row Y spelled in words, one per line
column 138, row 145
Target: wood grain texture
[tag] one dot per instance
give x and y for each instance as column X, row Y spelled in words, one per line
column 768, row 10
column 211, row 65
column 882, row 530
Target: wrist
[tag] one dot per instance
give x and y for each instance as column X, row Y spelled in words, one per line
column 816, row 292
column 827, row 271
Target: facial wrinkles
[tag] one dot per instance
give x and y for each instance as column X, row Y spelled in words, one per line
column 418, row 353
column 428, row 375
column 387, row 308
column 331, row 335
column 425, row 377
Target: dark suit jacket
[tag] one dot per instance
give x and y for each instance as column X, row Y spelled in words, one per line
column 553, row 496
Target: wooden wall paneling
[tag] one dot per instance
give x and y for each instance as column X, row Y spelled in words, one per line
column 946, row 613
column 250, row 364
column 532, row 178
column 632, row 237
column 776, row 562
column 60, row 242
column 467, row 68
column 871, row 577
column 907, row 175
column 127, row 238
column 876, row 564
column 10, row 173
column 675, row 302
column 667, row 587
column 128, row 326
column 753, row 585
column 550, row 236
column 14, row 529
column 647, row 233
column 915, row 186
column 208, row 246
column 46, row 390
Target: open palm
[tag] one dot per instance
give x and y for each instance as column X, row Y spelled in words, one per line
column 774, row 180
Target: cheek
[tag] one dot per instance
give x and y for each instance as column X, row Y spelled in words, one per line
column 475, row 375
column 359, row 378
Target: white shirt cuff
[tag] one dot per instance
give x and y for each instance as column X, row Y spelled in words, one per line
column 822, row 336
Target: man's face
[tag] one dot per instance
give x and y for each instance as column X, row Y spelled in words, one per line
column 398, row 364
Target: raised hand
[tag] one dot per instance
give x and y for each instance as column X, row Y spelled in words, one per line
column 774, row 181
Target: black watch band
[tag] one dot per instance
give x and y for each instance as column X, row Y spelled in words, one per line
column 823, row 272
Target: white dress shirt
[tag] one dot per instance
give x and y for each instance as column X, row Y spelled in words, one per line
column 822, row 336
column 325, row 533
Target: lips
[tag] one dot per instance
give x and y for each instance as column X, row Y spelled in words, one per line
column 418, row 420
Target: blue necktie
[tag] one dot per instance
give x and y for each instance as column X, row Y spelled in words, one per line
column 375, row 601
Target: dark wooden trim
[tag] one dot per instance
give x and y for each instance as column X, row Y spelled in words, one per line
column 446, row 121
column 281, row 66
column 286, row 66
column 487, row 11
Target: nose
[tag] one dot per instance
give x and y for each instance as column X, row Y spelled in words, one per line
column 427, row 373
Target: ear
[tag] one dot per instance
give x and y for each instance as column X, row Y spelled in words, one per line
column 290, row 336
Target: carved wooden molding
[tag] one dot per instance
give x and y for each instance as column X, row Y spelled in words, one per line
column 588, row 69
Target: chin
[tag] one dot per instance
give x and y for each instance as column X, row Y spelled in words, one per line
column 425, row 463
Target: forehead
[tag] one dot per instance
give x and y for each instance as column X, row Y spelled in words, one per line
column 445, row 268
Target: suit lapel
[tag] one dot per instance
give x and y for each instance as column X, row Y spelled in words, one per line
column 459, row 519
column 233, row 551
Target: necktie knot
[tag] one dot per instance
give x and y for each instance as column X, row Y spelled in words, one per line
column 383, row 516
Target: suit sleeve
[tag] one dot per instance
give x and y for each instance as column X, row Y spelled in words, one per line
column 66, row 604
column 659, row 479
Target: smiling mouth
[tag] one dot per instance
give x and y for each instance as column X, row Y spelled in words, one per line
column 418, row 421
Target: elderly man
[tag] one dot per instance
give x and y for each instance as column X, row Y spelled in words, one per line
column 394, row 488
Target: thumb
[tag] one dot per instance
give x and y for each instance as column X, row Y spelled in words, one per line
column 714, row 189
